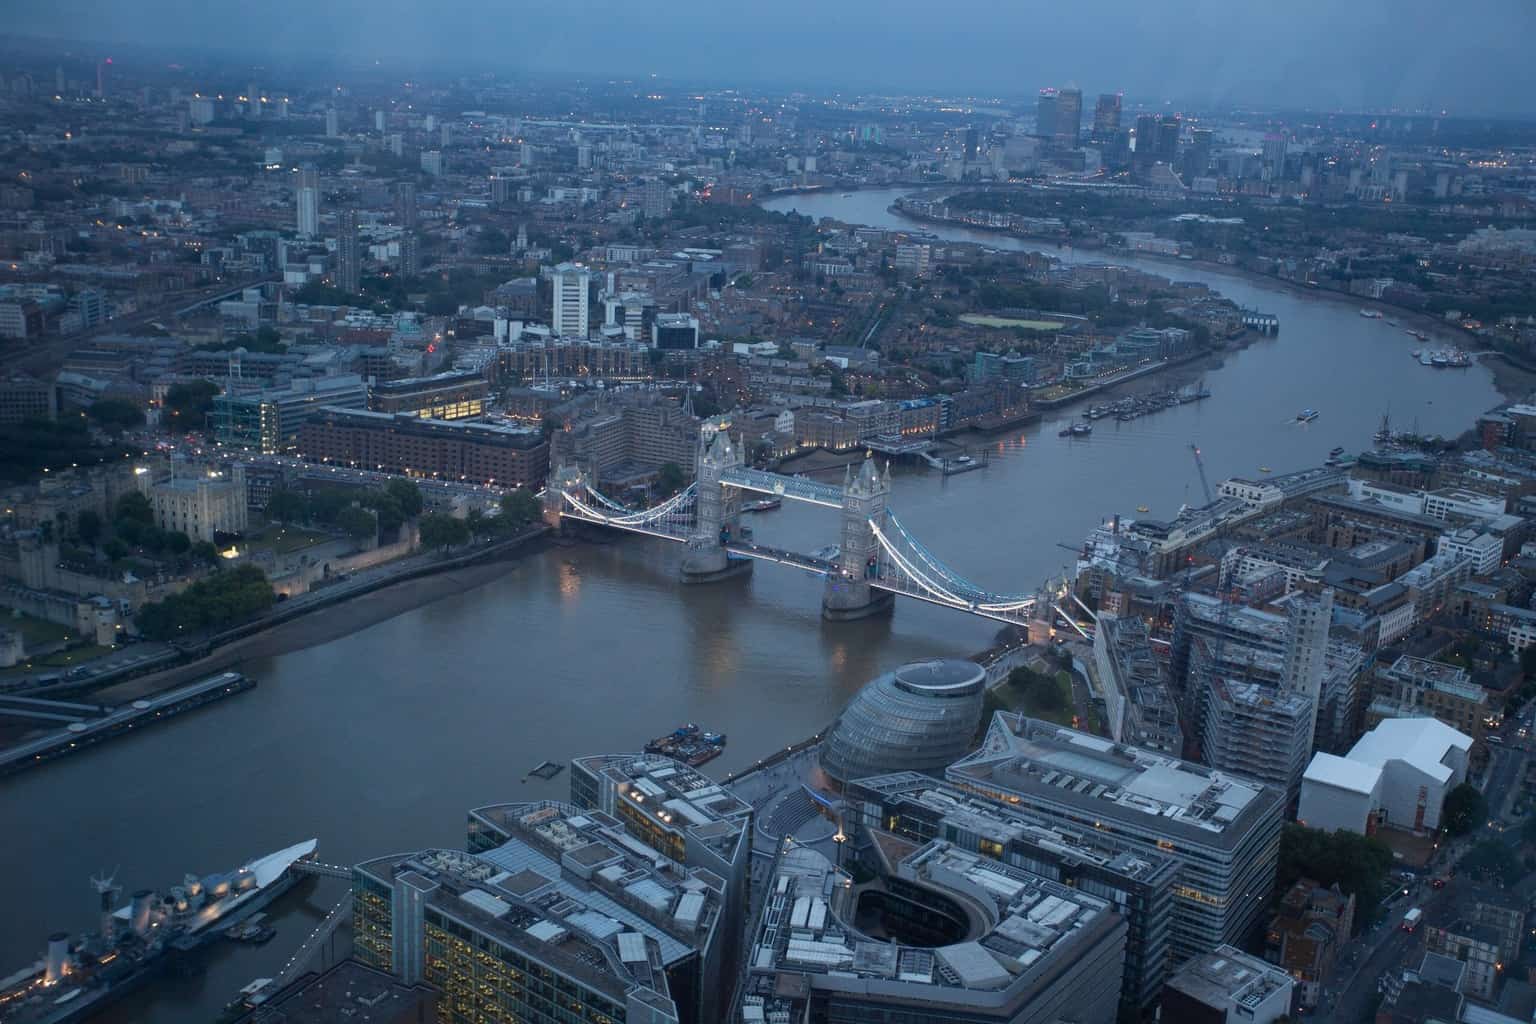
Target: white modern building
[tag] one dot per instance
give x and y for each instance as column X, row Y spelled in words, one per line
column 1339, row 794
column 1396, row 775
column 307, row 200
column 1483, row 550
column 569, row 318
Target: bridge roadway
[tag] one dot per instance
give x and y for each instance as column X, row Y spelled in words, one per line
column 904, row 566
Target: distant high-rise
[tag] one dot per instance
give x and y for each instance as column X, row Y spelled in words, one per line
column 379, row 120
column 1197, row 155
column 1274, row 156
column 1045, row 114
column 1146, row 142
column 1069, row 118
column 307, row 199
column 410, row 254
column 332, row 123
column 410, row 244
column 1168, row 128
column 972, row 142
column 569, row 316
column 349, row 254
column 653, row 202
column 1106, row 117
column 405, row 204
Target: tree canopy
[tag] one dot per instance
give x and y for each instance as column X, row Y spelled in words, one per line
column 215, row 602
column 1357, row 864
column 442, row 531
column 1464, row 810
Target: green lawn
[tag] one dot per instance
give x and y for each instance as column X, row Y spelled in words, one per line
column 1048, row 698
column 284, row 539
column 62, row 660
column 34, row 632
column 981, row 320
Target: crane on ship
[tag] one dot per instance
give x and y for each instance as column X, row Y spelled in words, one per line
column 1205, row 485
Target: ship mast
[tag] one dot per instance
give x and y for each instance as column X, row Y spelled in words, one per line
column 106, row 888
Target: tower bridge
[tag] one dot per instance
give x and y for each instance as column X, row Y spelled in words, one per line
column 875, row 560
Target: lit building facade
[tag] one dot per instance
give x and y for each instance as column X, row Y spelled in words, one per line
column 1223, row 830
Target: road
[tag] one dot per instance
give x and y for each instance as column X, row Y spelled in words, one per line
column 1384, row 947
column 49, row 353
column 432, row 489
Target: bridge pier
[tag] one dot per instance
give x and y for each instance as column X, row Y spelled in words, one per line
column 564, row 478
column 717, row 513
column 845, row 600
column 848, row 595
column 710, row 563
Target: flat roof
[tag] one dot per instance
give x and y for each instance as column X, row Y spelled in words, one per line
column 1103, row 778
column 1343, row 773
column 1022, row 926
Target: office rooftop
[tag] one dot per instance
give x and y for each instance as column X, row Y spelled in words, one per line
column 674, row 796
column 573, row 885
column 1097, row 777
column 1227, row 976
column 1020, row 926
column 1003, row 821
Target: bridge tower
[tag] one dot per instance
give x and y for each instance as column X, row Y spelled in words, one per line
column 718, row 511
column 848, row 595
column 565, row 478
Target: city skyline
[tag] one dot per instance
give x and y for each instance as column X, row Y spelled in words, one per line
column 1375, row 56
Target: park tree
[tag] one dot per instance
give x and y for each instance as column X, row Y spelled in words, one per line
column 88, row 525
column 1465, row 808
column 187, row 405
column 670, row 478
column 407, row 495
column 1357, row 864
column 442, row 531
column 115, row 415
column 358, row 523
column 134, row 507
column 285, row 506
column 520, row 507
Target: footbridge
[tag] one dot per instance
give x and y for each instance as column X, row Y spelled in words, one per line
column 876, row 558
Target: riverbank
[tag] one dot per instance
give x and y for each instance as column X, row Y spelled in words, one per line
column 1511, row 380
column 331, row 622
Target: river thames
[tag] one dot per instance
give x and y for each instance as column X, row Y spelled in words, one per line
column 380, row 741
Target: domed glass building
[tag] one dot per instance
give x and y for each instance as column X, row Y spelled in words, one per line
column 921, row 717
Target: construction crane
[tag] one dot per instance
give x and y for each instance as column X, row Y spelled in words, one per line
column 1205, row 484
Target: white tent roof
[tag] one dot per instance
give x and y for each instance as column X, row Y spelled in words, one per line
column 1343, row 773
column 1420, row 742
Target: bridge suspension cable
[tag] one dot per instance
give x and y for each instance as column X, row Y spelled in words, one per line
column 672, row 509
column 958, row 592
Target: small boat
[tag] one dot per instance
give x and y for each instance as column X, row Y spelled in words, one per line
column 1335, row 453
column 765, row 505
column 1370, row 314
column 963, row 460
column 1142, row 508
column 1264, row 469
column 1081, row 429
column 1306, row 416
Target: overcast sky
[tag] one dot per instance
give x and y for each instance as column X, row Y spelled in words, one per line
column 1471, row 57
